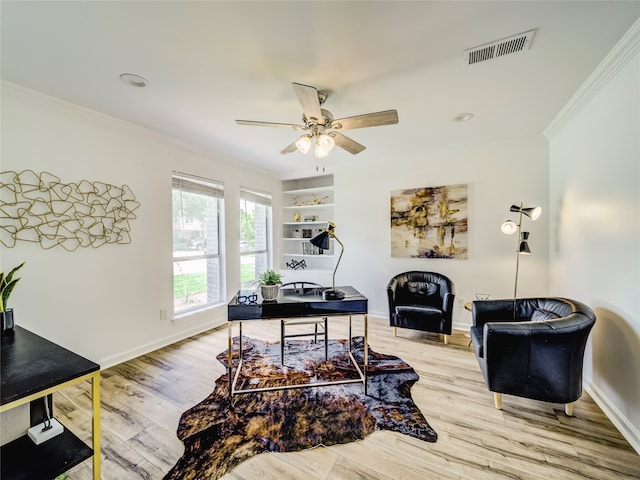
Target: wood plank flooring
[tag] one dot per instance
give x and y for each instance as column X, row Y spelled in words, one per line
column 142, row 401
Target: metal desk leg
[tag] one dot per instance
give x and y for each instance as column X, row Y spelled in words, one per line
column 366, row 350
column 282, row 342
column 95, row 398
column 326, row 338
column 230, row 360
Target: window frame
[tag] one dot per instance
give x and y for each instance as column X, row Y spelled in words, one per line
column 214, row 189
column 258, row 197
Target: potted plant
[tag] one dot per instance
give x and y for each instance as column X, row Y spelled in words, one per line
column 270, row 282
column 7, row 284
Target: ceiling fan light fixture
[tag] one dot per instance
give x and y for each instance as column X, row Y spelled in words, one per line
column 326, row 142
column 303, row 144
column 320, row 152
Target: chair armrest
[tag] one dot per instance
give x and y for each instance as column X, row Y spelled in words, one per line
column 484, row 311
column 447, row 303
column 391, row 295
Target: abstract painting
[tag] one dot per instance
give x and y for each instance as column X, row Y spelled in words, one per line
column 429, row 222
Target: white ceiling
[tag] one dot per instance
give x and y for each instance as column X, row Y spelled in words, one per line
column 209, row 63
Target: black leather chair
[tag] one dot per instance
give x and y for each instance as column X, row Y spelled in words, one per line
column 537, row 355
column 421, row 301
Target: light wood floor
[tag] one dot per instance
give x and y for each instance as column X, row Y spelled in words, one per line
column 142, row 401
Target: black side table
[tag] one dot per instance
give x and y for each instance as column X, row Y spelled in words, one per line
column 33, row 367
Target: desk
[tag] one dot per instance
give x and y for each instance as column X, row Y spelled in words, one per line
column 32, row 368
column 291, row 304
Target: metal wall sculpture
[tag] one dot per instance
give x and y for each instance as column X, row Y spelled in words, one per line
column 40, row 208
column 429, row 222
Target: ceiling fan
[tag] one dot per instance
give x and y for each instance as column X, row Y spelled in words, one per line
column 320, row 126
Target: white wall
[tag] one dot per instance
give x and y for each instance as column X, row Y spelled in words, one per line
column 595, row 196
column 105, row 303
column 498, row 174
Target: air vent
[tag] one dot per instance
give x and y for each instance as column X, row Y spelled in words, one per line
column 499, row 48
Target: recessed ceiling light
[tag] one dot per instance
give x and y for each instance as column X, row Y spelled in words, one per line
column 463, row 117
column 133, row 80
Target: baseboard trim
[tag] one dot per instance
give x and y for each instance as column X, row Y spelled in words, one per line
column 628, row 430
column 163, row 342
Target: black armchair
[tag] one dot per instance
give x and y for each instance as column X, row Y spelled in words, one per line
column 537, row 355
column 421, row 301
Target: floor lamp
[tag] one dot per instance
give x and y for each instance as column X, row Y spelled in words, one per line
column 509, row 228
column 322, row 241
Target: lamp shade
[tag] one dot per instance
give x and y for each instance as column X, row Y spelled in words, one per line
column 322, row 239
column 509, row 227
column 303, row 144
column 523, row 247
column 532, row 212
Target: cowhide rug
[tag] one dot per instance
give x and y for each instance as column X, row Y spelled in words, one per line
column 218, row 435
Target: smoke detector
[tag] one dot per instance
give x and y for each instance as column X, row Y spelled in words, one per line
column 499, row 48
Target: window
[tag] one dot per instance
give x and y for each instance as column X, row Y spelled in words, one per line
column 197, row 229
column 255, row 235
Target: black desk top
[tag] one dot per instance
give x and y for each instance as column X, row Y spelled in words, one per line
column 292, row 303
column 31, row 364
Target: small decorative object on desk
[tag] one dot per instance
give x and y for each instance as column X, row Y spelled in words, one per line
column 270, row 282
column 7, row 284
column 483, row 296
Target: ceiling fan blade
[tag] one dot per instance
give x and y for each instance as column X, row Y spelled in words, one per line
column 289, row 148
column 308, row 98
column 347, row 144
column 270, row 124
column 388, row 117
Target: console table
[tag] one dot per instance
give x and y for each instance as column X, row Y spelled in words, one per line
column 32, row 368
column 291, row 303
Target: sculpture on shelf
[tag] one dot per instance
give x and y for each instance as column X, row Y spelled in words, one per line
column 40, row 208
column 315, row 201
column 297, row 264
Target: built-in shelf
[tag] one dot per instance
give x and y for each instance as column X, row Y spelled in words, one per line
column 307, row 209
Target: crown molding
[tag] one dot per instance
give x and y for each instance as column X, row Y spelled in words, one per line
column 624, row 51
column 45, row 100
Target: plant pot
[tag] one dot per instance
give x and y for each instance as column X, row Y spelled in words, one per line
column 7, row 320
column 269, row 292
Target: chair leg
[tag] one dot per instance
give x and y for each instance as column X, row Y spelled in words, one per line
column 568, row 409
column 497, row 400
column 446, row 339
column 326, row 339
column 282, row 342
column 395, row 331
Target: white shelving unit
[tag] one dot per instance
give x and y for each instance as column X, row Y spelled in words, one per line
column 307, row 207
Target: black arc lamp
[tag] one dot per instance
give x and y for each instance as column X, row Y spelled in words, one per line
column 322, row 241
column 509, row 227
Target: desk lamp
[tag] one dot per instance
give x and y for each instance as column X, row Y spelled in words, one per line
column 322, row 241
